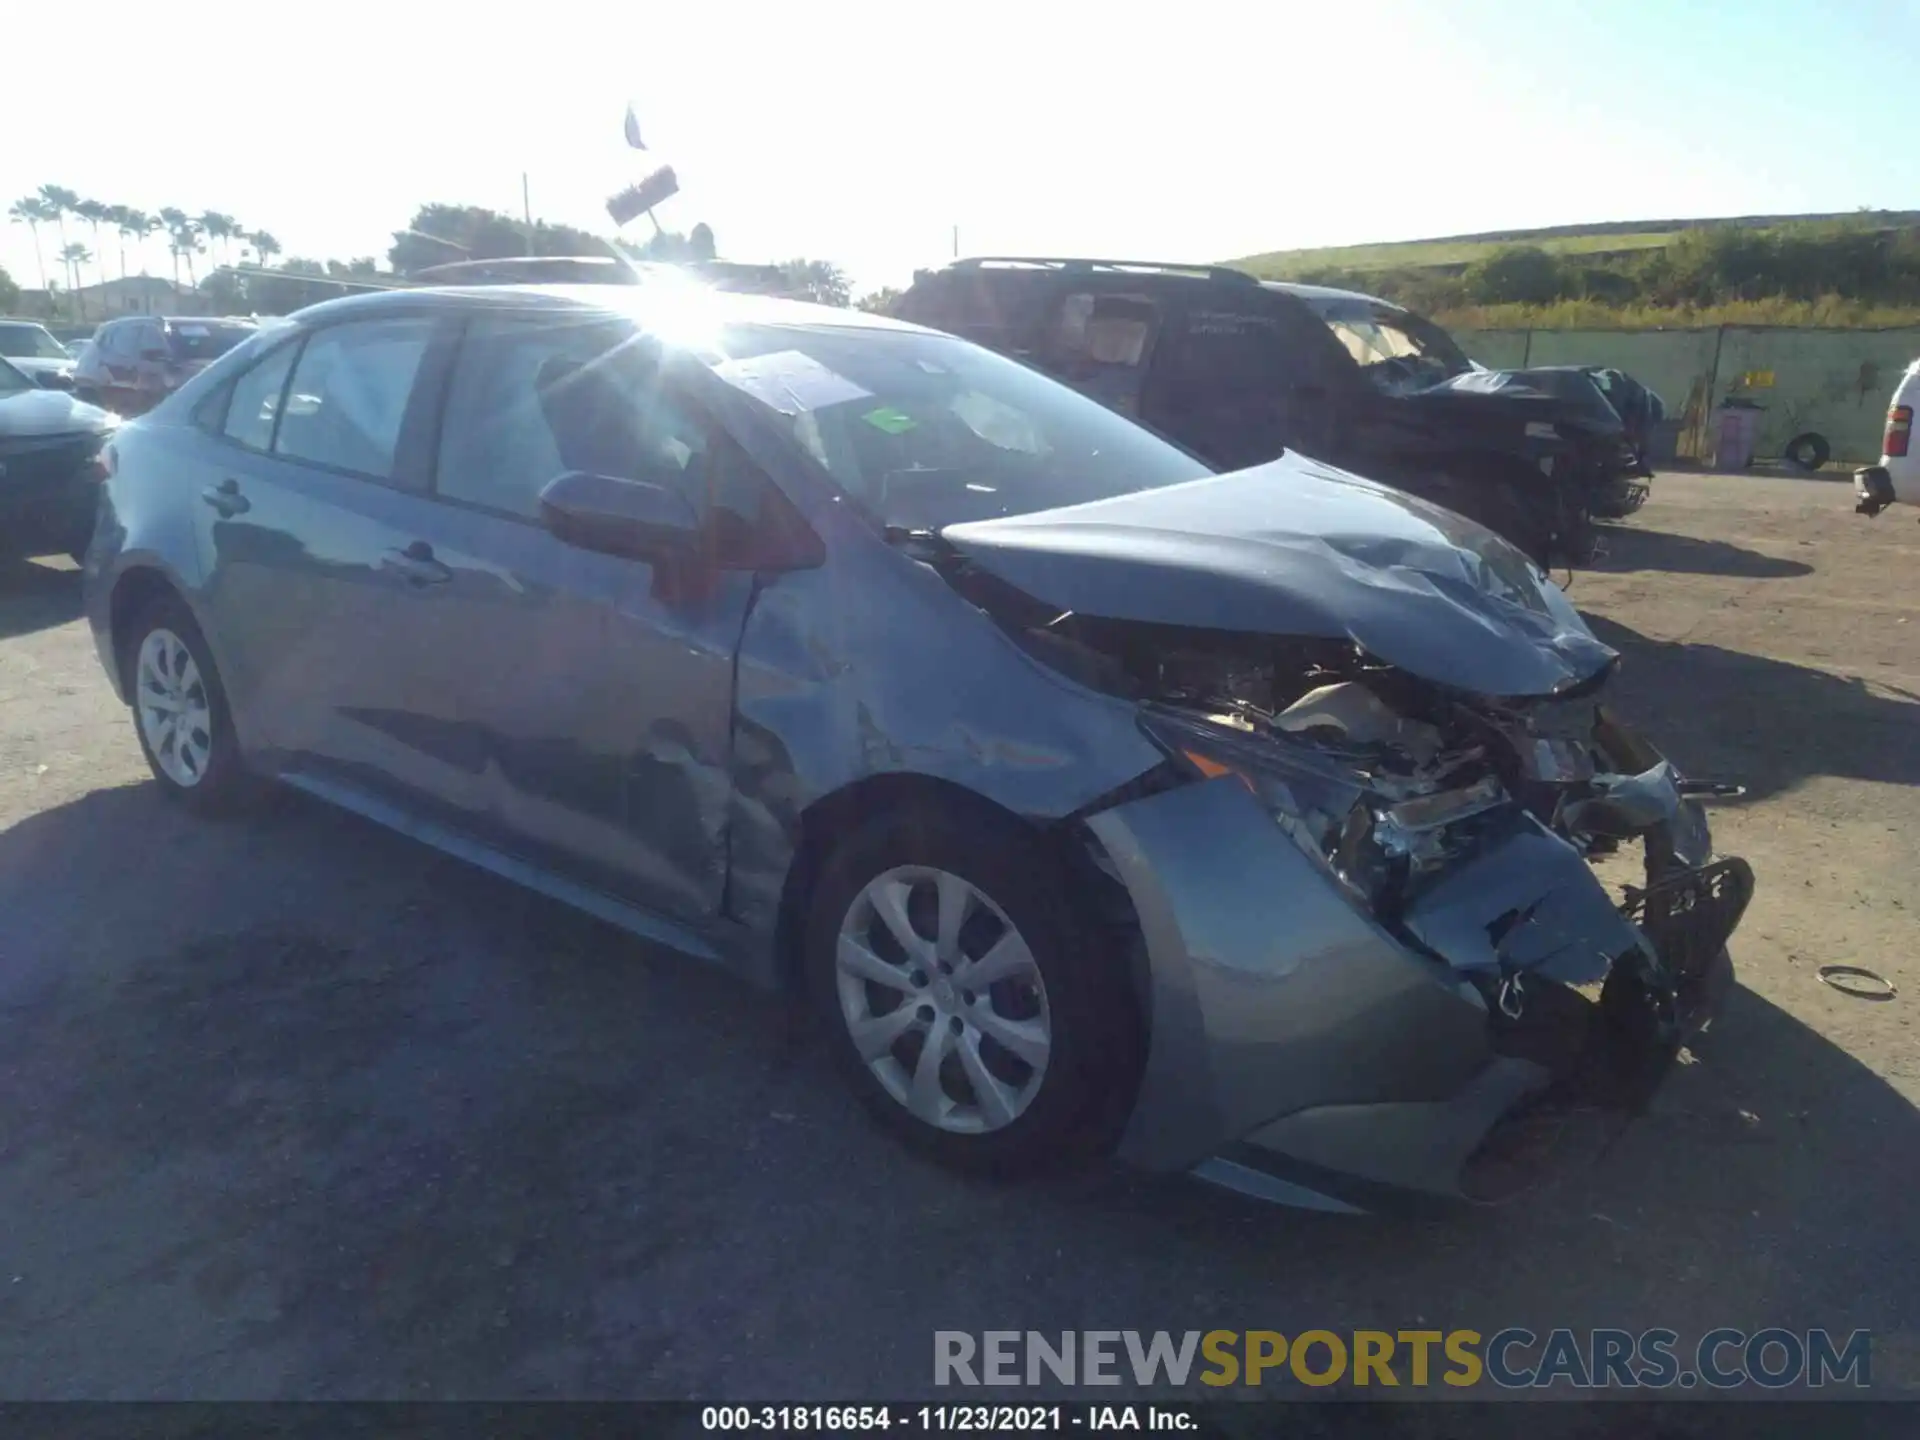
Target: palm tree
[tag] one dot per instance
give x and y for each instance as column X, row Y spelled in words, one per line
column 118, row 216
column 190, row 246
column 30, row 212
column 62, row 200
column 76, row 255
column 94, row 212
column 264, row 245
column 140, row 225
column 219, row 228
column 174, row 220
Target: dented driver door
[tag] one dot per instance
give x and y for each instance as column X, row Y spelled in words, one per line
column 599, row 691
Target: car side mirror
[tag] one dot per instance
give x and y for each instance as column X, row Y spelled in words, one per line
column 56, row 380
column 639, row 519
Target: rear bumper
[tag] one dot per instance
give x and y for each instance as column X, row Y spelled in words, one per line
column 1300, row 1051
column 1895, row 478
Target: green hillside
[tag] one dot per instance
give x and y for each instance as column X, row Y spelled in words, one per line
column 1459, row 251
column 1437, row 254
column 1855, row 270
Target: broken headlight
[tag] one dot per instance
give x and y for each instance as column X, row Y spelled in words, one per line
column 1375, row 835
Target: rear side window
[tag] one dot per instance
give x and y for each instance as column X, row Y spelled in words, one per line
column 349, row 395
column 1099, row 344
column 533, row 398
column 255, row 402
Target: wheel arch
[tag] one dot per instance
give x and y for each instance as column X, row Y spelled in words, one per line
column 833, row 815
column 1095, row 883
column 135, row 589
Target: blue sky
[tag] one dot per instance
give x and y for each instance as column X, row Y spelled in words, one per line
column 1198, row 131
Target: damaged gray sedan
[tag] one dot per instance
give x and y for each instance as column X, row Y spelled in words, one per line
column 1233, row 823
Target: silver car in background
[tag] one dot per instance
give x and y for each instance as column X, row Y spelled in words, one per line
column 1236, row 823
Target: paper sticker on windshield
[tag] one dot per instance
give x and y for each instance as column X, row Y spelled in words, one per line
column 893, row 421
column 790, row 382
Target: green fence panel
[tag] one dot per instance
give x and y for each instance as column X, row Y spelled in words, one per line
column 1833, row 383
column 1495, row 349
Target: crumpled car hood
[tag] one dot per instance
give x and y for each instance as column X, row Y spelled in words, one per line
column 1298, row 548
column 1568, row 391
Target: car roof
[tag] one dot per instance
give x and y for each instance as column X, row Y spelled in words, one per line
column 1323, row 294
column 646, row 304
column 1153, row 272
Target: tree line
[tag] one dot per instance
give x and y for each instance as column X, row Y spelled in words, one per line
column 187, row 236
column 1849, row 266
column 246, row 278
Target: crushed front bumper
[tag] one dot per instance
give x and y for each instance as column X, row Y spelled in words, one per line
column 1302, row 1052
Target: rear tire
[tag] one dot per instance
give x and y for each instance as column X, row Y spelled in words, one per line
column 180, row 712
column 1026, row 1061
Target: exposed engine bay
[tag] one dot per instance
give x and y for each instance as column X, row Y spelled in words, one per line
column 1462, row 824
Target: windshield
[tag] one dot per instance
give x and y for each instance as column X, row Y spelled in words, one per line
column 204, row 339
column 12, row 380
column 1396, row 349
column 923, row 431
column 30, row 342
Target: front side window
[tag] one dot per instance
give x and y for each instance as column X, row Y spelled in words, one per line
column 255, row 400
column 924, row 430
column 533, row 397
column 12, row 381
column 349, row 394
column 1394, row 348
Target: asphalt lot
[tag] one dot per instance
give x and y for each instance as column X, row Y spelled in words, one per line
column 295, row 1107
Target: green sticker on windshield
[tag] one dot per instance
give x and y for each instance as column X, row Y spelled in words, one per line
column 886, row 418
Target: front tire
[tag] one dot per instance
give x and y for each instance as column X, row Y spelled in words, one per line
column 180, row 712
column 962, row 995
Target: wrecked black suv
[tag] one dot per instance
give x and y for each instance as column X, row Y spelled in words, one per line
column 1237, row 370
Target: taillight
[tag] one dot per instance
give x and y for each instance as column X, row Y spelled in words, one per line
column 1899, row 431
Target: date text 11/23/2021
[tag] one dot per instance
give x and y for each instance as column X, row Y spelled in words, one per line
column 975, row 1419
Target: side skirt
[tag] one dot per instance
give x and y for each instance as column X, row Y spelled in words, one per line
column 628, row 917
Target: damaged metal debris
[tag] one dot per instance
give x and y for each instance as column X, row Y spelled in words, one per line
column 1455, row 823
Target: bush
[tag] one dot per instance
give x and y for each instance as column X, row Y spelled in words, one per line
column 1516, row 275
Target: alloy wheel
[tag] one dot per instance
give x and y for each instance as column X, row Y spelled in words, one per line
column 943, row 1000
column 175, row 716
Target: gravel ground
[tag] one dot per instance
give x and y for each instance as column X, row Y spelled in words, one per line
column 295, row 1107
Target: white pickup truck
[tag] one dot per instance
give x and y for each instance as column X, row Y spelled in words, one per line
column 1897, row 476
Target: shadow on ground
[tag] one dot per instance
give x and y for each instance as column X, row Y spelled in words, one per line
column 1632, row 547
column 36, row 597
column 1768, row 724
column 296, row 1107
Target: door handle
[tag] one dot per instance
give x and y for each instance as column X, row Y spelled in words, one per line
column 416, row 565
column 226, row 498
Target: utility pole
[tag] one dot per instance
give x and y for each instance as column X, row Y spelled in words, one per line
column 956, row 242
column 526, row 208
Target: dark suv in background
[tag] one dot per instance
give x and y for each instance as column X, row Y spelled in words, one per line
column 1237, row 370
column 134, row 363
